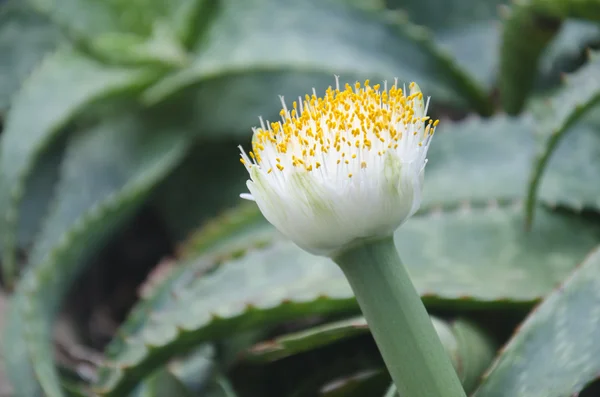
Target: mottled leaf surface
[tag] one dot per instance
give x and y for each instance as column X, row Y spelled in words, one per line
column 555, row 352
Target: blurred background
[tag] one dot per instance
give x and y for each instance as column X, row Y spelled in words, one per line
column 130, row 265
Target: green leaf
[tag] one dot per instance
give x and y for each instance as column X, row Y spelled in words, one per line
column 309, row 339
column 478, row 160
column 554, row 353
column 80, row 82
column 230, row 236
column 38, row 193
column 232, row 231
column 107, row 172
column 255, row 50
column 539, row 21
column 568, row 45
column 362, row 383
column 197, row 369
column 25, row 37
column 88, row 18
column 475, row 257
column 486, row 160
column 565, row 108
column 366, row 4
column 141, row 31
column 582, row 9
column 475, row 350
column 468, row 30
column 470, row 349
column 518, row 57
column 163, row 383
column 220, row 387
column 160, row 48
column 574, row 167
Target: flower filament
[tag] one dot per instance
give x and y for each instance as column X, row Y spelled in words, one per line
column 342, row 132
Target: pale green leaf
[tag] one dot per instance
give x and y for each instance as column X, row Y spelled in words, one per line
column 107, row 172
column 37, row 118
column 564, row 109
column 477, row 257
column 25, row 37
column 469, row 30
column 554, row 353
column 539, row 21
column 255, row 50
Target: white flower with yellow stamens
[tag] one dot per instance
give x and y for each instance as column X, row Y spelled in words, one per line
column 342, row 168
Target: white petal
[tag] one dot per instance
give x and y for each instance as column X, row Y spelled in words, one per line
column 332, row 172
column 247, row 196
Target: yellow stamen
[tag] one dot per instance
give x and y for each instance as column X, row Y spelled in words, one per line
column 361, row 117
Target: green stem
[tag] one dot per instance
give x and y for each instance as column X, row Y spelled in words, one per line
column 401, row 327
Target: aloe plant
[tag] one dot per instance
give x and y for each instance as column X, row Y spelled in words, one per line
column 113, row 110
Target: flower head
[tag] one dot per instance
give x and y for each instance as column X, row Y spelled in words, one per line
column 341, row 168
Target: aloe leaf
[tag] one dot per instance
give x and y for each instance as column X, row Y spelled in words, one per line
column 197, row 369
column 469, row 30
column 25, row 37
column 355, row 385
column 236, row 63
column 467, row 161
column 554, row 353
column 539, row 21
column 564, row 52
column 80, row 81
column 564, row 109
column 88, row 19
column 470, row 349
column 308, row 339
column 107, row 172
column 141, row 32
column 163, row 383
column 476, row 257
column 39, row 190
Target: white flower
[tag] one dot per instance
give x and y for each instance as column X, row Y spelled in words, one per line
column 342, row 168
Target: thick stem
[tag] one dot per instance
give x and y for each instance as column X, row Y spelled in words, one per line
column 401, row 327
